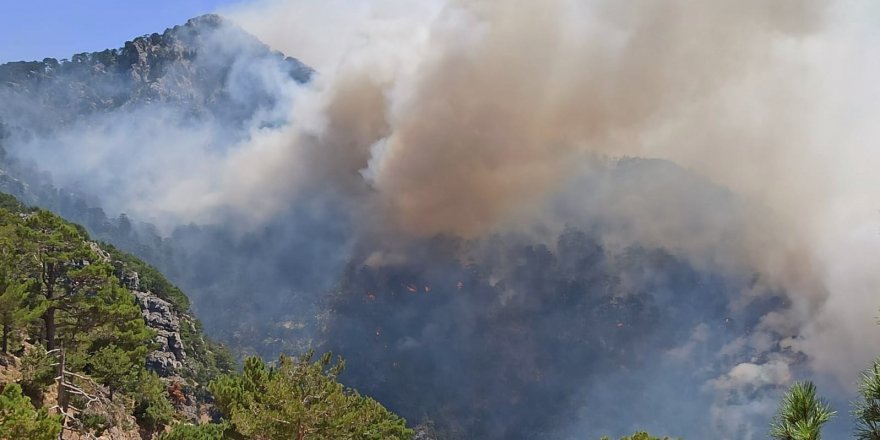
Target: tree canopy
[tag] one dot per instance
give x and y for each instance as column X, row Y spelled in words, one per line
column 301, row 399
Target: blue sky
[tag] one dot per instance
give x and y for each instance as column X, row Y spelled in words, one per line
column 36, row 29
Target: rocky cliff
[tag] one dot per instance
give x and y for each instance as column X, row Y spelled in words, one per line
column 194, row 67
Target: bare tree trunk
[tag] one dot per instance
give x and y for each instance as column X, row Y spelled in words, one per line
column 62, row 392
column 49, row 316
column 49, row 320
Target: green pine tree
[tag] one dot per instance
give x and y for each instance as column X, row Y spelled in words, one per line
column 19, row 419
column 801, row 414
column 301, row 399
column 14, row 312
column 14, row 287
column 212, row 431
column 55, row 249
column 867, row 411
column 107, row 316
column 152, row 409
column 112, row 366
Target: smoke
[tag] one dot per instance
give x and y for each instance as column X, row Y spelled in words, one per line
column 470, row 113
column 470, row 119
column 488, row 108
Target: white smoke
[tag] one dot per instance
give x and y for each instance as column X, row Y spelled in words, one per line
column 465, row 116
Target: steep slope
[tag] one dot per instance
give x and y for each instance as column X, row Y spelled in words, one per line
column 108, row 349
column 206, row 75
column 114, row 320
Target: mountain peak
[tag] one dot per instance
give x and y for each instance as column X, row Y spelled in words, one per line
column 191, row 66
column 206, row 20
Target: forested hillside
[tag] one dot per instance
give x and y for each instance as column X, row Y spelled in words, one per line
column 95, row 343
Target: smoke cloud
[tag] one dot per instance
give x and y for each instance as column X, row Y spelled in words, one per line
column 493, row 106
column 482, row 119
column 469, row 113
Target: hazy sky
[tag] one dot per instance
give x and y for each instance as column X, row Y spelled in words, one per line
column 36, row 29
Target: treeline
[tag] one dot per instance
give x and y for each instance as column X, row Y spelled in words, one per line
column 78, row 341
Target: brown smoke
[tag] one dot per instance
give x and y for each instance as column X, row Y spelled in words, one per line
column 509, row 93
column 460, row 116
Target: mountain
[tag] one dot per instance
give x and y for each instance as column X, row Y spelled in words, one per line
column 207, row 74
column 565, row 330
column 188, row 66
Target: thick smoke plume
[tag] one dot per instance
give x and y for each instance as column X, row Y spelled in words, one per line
column 483, row 121
column 463, row 116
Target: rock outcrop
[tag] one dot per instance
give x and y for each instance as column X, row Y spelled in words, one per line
column 167, row 359
column 168, row 356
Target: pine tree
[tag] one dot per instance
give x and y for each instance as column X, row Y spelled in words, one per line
column 801, row 414
column 14, row 289
column 108, row 316
column 301, row 399
column 112, row 366
column 55, row 248
column 152, row 410
column 14, row 312
column 867, row 411
column 212, row 431
column 19, row 419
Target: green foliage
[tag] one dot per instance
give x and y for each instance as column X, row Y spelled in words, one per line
column 207, row 359
column 299, row 398
column 113, row 367
column 641, row 435
column 19, row 419
column 211, row 431
column 36, row 367
column 867, row 411
column 56, row 253
column 152, row 410
column 801, row 414
column 12, row 205
column 48, row 269
column 98, row 423
column 107, row 317
column 149, row 277
column 67, row 294
column 14, row 312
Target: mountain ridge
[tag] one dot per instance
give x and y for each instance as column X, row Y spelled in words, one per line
column 184, row 66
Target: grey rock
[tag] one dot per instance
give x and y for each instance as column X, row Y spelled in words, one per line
column 167, row 359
